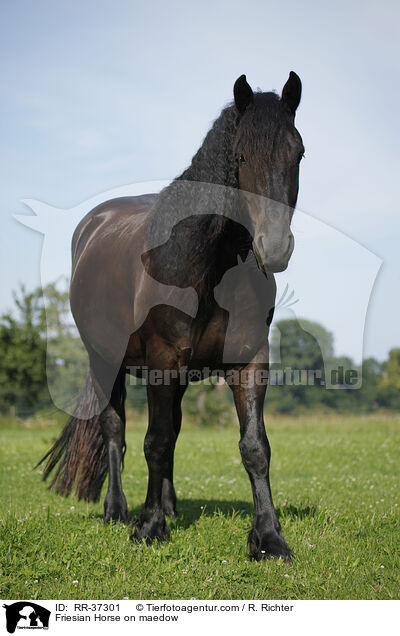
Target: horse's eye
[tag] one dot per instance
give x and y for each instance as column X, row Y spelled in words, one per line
column 242, row 159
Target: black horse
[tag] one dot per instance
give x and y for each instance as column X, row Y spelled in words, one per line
column 235, row 200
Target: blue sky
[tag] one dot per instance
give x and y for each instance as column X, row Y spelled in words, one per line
column 97, row 94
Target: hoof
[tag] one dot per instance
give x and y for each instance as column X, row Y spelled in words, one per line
column 269, row 545
column 150, row 527
column 115, row 509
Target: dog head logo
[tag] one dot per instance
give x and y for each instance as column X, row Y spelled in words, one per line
column 26, row 615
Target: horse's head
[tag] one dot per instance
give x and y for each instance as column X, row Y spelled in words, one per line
column 268, row 150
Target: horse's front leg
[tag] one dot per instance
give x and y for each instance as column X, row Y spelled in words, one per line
column 265, row 538
column 168, row 491
column 159, row 447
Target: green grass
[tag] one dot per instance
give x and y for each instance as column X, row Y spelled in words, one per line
column 335, row 483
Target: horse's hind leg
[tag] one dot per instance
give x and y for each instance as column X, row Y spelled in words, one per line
column 113, row 430
column 159, row 447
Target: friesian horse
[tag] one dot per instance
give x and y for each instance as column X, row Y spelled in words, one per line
column 184, row 240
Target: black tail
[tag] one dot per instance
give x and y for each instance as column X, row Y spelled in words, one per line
column 79, row 455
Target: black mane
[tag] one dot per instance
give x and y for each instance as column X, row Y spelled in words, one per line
column 191, row 215
column 214, row 161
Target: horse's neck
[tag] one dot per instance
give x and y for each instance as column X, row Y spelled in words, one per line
column 189, row 218
column 214, row 162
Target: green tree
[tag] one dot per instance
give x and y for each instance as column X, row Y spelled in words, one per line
column 388, row 394
column 302, row 353
column 298, row 348
column 367, row 396
column 23, row 354
column 39, row 345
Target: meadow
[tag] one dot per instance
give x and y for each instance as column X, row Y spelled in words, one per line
column 335, row 483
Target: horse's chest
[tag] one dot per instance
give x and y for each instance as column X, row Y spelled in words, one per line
column 208, row 338
column 232, row 337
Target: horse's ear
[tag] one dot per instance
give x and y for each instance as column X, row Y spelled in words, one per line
column 243, row 94
column 291, row 92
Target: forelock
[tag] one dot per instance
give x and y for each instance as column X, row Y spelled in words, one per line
column 262, row 126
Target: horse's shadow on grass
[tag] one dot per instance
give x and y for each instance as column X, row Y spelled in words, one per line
column 190, row 510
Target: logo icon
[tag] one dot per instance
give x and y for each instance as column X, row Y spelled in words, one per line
column 26, row 615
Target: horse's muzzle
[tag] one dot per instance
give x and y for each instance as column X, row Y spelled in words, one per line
column 270, row 257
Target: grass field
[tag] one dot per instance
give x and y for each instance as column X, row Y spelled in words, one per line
column 335, row 484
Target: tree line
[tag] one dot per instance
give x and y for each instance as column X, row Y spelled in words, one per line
column 40, row 322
